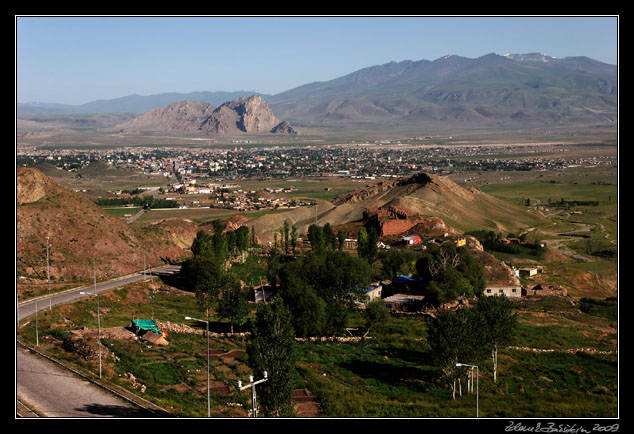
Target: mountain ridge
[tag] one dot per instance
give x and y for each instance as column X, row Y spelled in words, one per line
column 452, row 91
column 134, row 103
column 455, row 90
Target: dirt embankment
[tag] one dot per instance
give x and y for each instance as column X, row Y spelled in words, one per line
column 82, row 238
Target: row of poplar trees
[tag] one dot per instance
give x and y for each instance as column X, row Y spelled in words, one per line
column 470, row 335
column 272, row 336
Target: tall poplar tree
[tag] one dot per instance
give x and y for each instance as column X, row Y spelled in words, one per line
column 497, row 312
column 271, row 348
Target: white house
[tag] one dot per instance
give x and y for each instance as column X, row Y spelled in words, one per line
column 509, row 291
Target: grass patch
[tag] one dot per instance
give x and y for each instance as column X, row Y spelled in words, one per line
column 391, row 374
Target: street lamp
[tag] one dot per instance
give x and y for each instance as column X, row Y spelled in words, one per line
column 48, row 278
column 207, row 323
column 98, row 325
column 477, row 384
column 37, row 335
column 252, row 385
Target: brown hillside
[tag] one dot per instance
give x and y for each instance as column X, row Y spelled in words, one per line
column 438, row 196
column 79, row 231
column 434, row 198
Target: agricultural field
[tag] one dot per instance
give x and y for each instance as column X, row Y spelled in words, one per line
column 581, row 231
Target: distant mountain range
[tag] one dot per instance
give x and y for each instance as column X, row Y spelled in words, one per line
column 492, row 90
column 131, row 103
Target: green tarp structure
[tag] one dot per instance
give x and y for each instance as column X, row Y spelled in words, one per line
column 146, row 324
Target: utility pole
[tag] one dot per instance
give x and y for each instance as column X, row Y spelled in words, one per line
column 252, row 385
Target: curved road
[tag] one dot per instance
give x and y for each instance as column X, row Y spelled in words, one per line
column 52, row 391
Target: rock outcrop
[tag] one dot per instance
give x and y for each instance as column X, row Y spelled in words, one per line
column 395, row 220
column 181, row 116
column 250, row 115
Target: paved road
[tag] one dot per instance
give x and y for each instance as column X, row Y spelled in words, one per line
column 27, row 308
column 55, row 392
column 136, row 216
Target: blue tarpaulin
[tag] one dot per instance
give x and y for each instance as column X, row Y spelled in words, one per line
column 146, row 324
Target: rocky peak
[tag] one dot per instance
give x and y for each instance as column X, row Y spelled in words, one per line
column 250, row 115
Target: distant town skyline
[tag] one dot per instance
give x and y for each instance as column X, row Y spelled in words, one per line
column 79, row 59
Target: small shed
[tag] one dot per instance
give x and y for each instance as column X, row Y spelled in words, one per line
column 411, row 240
column 528, row 272
column 404, row 303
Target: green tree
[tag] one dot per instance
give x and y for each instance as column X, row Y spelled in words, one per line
column 293, row 238
column 242, row 238
column 270, row 348
column 392, row 261
column 366, row 244
column 201, row 244
column 447, row 272
column 200, row 269
column 233, row 304
column 456, row 337
column 316, row 238
column 333, row 276
column 308, row 309
column 330, row 240
column 273, row 267
column 376, row 312
column 208, row 285
column 232, row 245
column 286, row 236
column 341, row 240
column 497, row 312
column 219, row 241
column 362, row 242
column 372, row 248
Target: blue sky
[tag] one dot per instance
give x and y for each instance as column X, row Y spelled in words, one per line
column 75, row 60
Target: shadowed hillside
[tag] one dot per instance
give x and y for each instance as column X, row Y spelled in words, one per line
column 80, row 231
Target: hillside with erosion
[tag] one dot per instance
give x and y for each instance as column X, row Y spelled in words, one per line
column 454, row 208
column 80, row 231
